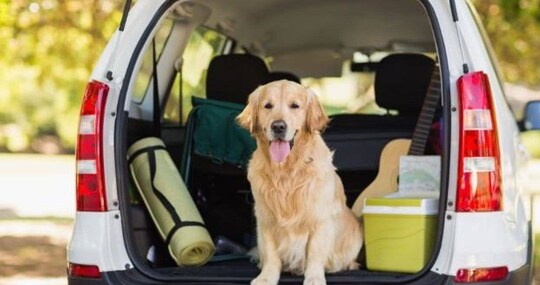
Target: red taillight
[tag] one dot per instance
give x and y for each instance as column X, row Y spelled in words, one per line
column 481, row 274
column 86, row 271
column 90, row 175
column 479, row 185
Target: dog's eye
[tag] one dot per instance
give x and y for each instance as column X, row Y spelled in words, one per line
column 295, row 106
column 268, row 106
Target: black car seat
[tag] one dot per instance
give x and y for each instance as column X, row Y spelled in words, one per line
column 280, row 75
column 401, row 82
column 233, row 77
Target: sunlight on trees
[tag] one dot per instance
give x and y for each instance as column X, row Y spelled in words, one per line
column 48, row 49
column 513, row 27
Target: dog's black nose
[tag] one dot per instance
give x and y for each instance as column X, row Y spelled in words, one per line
column 279, row 127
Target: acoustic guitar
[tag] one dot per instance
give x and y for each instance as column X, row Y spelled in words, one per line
column 386, row 181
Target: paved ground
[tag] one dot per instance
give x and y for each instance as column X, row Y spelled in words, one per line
column 37, row 185
column 33, row 251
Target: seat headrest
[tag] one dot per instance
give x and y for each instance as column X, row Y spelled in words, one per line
column 280, row 75
column 233, row 77
column 401, row 82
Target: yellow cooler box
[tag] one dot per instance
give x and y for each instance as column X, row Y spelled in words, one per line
column 399, row 233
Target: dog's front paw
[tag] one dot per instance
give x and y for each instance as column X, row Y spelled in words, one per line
column 263, row 281
column 315, row 281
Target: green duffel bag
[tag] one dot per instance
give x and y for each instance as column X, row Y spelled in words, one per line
column 169, row 202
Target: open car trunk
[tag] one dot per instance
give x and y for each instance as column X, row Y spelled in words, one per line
column 219, row 187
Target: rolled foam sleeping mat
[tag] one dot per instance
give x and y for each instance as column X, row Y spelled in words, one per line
column 169, row 202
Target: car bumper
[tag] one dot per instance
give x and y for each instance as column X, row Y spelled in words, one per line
column 522, row 276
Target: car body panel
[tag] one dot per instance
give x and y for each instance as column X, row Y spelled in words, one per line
column 470, row 247
column 468, row 239
column 484, row 240
column 98, row 240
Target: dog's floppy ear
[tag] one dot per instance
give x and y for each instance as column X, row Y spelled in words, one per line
column 248, row 118
column 316, row 118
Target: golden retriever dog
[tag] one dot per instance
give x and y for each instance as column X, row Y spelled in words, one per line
column 303, row 223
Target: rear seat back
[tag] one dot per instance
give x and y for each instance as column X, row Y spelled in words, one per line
column 233, row 77
column 401, row 82
column 280, row 75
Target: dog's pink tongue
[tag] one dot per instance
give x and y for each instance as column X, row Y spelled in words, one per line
column 279, row 150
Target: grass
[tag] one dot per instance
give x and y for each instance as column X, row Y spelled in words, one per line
column 37, row 185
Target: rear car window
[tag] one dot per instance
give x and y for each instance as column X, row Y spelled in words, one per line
column 142, row 82
column 353, row 92
column 204, row 44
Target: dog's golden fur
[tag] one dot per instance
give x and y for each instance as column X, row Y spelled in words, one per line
column 303, row 223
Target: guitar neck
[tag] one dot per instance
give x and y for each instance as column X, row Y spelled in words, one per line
column 425, row 119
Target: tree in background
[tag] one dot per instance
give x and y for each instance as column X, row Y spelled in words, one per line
column 513, row 27
column 48, row 49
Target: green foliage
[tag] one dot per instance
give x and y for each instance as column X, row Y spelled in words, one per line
column 513, row 27
column 48, row 50
column 530, row 140
column 536, row 250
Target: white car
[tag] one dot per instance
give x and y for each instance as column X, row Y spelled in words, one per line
column 370, row 62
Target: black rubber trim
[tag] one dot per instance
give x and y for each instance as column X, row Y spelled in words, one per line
column 454, row 11
column 120, row 139
column 156, row 110
column 125, row 14
column 445, row 164
column 122, row 175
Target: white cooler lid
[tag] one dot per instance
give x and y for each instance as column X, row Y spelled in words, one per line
column 402, row 205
